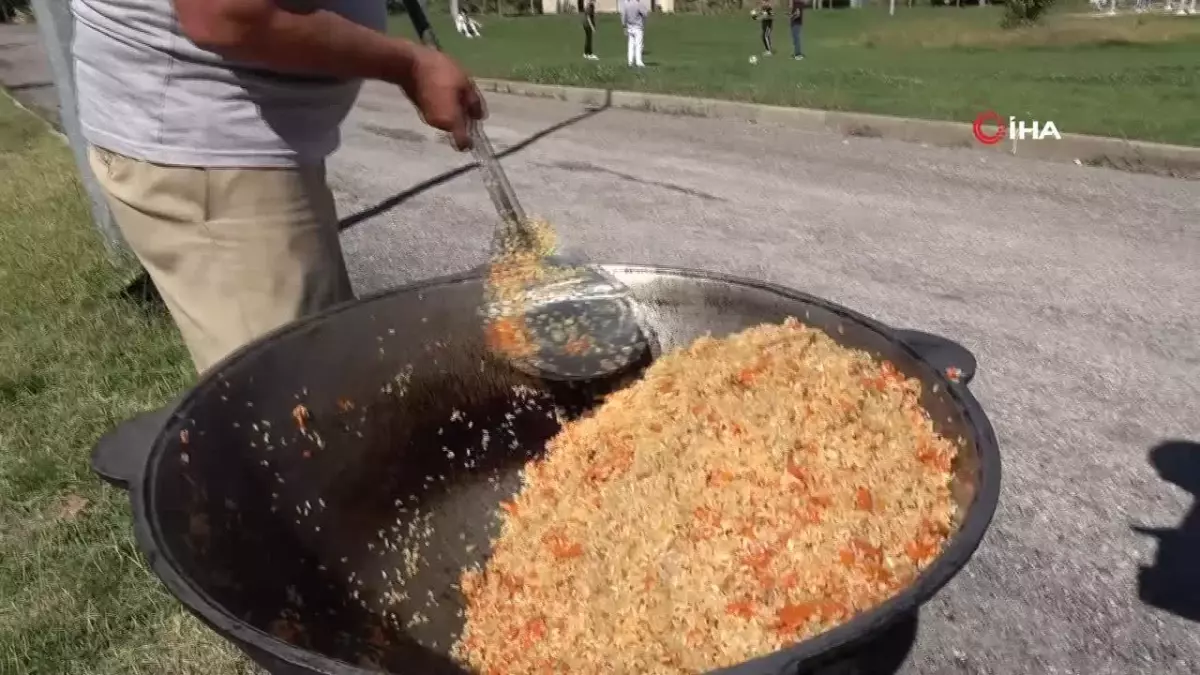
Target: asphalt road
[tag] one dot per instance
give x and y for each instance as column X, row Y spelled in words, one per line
column 1078, row 289
column 24, row 70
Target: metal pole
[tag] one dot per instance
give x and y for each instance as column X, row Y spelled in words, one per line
column 56, row 26
column 420, row 22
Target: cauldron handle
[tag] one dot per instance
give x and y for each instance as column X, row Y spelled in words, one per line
column 120, row 456
column 940, row 353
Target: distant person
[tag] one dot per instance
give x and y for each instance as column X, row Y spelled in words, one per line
column 765, row 14
column 467, row 26
column 633, row 18
column 588, row 9
column 796, row 17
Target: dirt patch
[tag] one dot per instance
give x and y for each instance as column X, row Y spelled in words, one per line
column 1154, row 167
column 70, row 508
column 863, row 131
column 1056, row 32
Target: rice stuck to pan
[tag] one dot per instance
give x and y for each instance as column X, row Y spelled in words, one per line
column 746, row 494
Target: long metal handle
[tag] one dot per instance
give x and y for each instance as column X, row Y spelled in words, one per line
column 420, row 22
column 494, row 178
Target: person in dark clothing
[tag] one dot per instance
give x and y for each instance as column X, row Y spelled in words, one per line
column 587, row 8
column 797, row 25
column 766, row 17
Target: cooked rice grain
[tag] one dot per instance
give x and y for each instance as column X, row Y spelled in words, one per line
column 518, row 265
column 746, row 494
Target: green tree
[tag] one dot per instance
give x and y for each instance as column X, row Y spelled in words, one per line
column 1024, row 12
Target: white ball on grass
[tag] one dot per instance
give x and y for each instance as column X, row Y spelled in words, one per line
column 753, row 60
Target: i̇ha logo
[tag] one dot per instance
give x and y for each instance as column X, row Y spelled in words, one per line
column 1011, row 128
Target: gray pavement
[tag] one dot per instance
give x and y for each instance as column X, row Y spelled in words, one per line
column 1078, row 289
column 24, row 71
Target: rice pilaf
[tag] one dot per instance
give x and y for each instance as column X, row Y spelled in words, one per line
column 517, row 265
column 746, row 494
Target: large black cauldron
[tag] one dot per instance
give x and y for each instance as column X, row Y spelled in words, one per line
column 278, row 497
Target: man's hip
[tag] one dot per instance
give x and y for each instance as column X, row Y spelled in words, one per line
column 235, row 253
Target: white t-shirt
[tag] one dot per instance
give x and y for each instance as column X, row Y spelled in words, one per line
column 633, row 14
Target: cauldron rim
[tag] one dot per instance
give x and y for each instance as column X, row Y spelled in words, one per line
column 953, row 558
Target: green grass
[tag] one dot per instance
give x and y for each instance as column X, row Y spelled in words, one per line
column 1132, row 77
column 75, row 596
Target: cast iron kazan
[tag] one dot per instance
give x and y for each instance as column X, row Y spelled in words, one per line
column 277, row 498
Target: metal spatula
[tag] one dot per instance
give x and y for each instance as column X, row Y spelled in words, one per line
column 578, row 320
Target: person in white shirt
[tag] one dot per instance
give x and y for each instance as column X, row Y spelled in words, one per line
column 466, row 26
column 633, row 18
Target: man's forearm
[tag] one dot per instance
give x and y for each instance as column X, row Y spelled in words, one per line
column 317, row 42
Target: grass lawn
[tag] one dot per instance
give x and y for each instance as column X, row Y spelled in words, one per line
column 75, row 597
column 1131, row 76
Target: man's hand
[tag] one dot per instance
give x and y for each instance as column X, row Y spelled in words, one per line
column 444, row 94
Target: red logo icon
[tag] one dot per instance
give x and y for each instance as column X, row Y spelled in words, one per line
column 983, row 136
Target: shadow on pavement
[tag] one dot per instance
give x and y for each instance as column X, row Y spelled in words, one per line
column 398, row 199
column 1173, row 582
column 29, row 85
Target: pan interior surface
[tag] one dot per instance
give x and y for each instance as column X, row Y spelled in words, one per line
column 330, row 483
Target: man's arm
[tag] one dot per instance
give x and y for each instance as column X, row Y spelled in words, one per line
column 316, row 42
column 320, row 42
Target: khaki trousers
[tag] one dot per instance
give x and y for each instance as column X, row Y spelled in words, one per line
column 235, row 253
